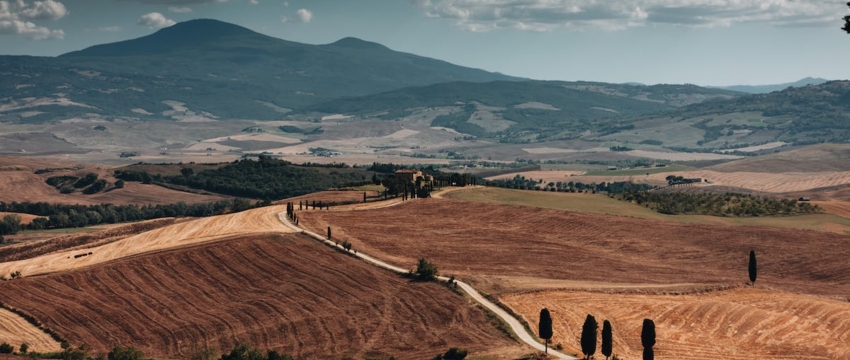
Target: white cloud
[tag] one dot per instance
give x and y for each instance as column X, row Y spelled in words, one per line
column 547, row 15
column 180, row 9
column 304, row 15
column 16, row 18
column 286, row 4
column 30, row 30
column 155, row 20
column 253, row 2
column 44, row 10
column 109, row 29
column 174, row 2
column 284, row 19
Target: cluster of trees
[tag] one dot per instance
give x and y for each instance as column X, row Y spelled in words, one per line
column 523, row 183
column 264, row 178
column 90, row 183
column 729, row 204
column 590, row 332
column 56, row 216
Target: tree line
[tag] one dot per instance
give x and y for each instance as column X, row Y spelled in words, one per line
column 264, row 178
column 522, row 183
column 728, row 204
column 57, row 216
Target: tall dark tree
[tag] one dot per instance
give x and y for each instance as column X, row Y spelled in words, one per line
column 329, row 232
column 607, row 339
column 588, row 336
column 846, row 27
column 753, row 267
column 544, row 327
column 647, row 339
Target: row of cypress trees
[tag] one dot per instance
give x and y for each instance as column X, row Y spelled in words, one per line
column 589, row 333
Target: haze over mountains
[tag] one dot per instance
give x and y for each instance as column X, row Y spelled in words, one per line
column 763, row 89
column 207, row 70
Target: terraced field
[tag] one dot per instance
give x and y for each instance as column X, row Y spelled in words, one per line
column 738, row 324
column 281, row 292
column 485, row 241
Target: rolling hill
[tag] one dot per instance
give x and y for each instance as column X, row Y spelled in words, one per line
column 763, row 89
column 519, row 111
column 278, row 292
column 242, row 74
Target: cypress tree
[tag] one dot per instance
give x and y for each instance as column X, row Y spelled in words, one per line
column 544, row 327
column 329, row 232
column 588, row 336
column 647, row 339
column 753, row 267
column 607, row 340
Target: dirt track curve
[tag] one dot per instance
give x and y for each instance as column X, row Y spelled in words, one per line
column 515, row 324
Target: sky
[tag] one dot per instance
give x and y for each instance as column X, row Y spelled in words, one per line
column 704, row 42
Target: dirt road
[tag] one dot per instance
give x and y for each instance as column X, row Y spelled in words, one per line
column 515, row 324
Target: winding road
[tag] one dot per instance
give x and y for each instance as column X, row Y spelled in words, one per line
column 514, row 323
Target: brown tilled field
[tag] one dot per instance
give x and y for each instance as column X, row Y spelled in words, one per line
column 737, row 324
column 281, row 292
column 486, row 240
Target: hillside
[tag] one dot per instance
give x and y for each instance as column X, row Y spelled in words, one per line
column 756, row 123
column 763, row 89
column 537, row 245
column 513, row 111
column 243, row 74
column 253, row 289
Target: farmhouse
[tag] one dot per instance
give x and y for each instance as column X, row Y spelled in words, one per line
column 413, row 176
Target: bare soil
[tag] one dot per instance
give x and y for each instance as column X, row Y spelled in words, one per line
column 282, row 292
column 477, row 239
column 737, row 324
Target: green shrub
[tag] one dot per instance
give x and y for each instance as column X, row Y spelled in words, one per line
column 5, row 348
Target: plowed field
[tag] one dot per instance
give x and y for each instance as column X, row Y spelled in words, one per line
column 738, row 324
column 281, row 292
column 487, row 240
column 186, row 233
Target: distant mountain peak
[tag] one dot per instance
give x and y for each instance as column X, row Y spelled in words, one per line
column 176, row 37
column 352, row 42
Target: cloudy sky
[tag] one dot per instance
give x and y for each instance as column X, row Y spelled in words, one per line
column 705, row 42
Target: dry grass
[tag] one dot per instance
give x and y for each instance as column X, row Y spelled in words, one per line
column 18, row 182
column 26, row 219
column 737, row 324
column 182, row 234
column 282, row 292
column 834, row 220
column 16, row 331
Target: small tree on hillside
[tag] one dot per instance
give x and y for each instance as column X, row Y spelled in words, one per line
column 647, row 339
column 453, row 354
column 5, row 348
column 425, row 271
column 544, row 327
column 329, row 232
column 607, row 339
column 753, row 268
column 588, row 336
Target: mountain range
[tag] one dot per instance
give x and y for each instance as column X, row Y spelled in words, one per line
column 211, row 70
column 763, row 89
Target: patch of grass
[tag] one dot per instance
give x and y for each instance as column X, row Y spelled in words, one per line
column 63, row 231
column 601, row 204
column 370, row 187
column 640, row 171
